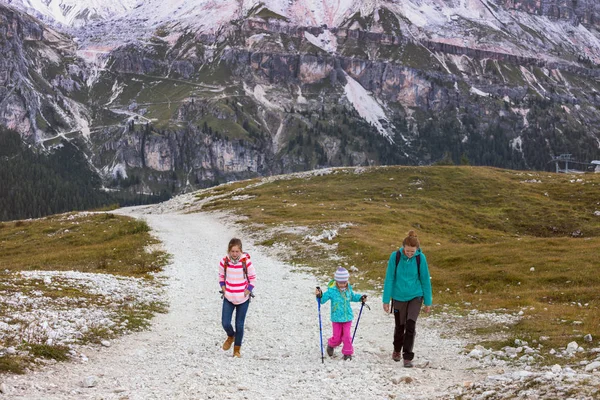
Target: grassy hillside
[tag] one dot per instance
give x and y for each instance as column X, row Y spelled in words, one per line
column 496, row 240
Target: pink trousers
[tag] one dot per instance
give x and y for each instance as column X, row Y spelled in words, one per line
column 341, row 334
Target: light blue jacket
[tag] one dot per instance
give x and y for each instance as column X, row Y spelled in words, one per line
column 340, row 302
column 406, row 285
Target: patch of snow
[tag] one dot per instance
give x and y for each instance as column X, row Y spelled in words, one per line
column 326, row 41
column 301, row 99
column 478, row 92
column 366, row 106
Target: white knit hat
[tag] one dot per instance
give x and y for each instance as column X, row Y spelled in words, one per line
column 341, row 275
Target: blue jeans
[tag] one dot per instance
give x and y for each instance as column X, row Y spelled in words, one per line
column 240, row 317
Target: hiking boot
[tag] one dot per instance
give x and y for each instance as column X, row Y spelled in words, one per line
column 236, row 351
column 408, row 364
column 329, row 351
column 396, row 356
column 228, row 342
column 347, row 357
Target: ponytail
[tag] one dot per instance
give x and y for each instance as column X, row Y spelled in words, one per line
column 411, row 240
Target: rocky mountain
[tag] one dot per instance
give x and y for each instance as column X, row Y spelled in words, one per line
column 190, row 93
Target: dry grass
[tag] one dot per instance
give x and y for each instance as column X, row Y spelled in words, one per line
column 482, row 230
column 104, row 243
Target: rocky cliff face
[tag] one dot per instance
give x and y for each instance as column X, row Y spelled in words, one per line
column 260, row 96
column 586, row 12
column 40, row 78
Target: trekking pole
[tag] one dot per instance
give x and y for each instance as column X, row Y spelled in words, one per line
column 358, row 319
column 320, row 325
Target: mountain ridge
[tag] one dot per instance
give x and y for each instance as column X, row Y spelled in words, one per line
column 188, row 107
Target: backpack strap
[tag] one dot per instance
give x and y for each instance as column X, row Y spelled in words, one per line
column 245, row 268
column 418, row 258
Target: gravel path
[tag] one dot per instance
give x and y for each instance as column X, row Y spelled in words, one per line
column 180, row 356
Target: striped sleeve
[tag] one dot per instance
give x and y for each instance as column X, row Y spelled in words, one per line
column 251, row 275
column 222, row 273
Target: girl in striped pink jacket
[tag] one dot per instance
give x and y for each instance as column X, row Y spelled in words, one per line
column 236, row 277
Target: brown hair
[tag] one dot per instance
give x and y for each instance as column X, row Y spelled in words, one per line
column 411, row 240
column 234, row 242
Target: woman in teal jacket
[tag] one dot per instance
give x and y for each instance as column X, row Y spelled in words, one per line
column 341, row 294
column 407, row 285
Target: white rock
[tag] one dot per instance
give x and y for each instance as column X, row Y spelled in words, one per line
column 556, row 369
column 89, row 381
column 501, row 378
column 3, row 388
column 532, row 269
column 572, row 347
column 105, row 343
column 588, row 338
column 476, row 353
column 592, row 366
column 522, row 374
column 487, row 394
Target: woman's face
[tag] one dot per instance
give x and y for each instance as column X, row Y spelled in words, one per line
column 235, row 252
column 410, row 251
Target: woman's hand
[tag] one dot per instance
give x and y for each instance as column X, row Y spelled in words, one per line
column 386, row 307
column 247, row 293
column 427, row 309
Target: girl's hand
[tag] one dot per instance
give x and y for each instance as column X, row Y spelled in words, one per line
column 247, row 292
column 427, row 309
column 386, row 308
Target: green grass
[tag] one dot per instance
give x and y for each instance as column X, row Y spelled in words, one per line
column 102, row 242
column 57, row 352
column 416, row 56
column 482, row 230
column 11, row 364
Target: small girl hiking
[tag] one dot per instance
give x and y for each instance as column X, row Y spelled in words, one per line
column 341, row 294
column 236, row 278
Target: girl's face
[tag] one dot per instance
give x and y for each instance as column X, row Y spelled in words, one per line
column 342, row 285
column 410, row 251
column 235, row 252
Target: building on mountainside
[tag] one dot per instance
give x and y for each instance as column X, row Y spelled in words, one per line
column 567, row 159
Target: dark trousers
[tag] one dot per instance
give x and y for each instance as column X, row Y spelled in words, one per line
column 240, row 318
column 405, row 330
